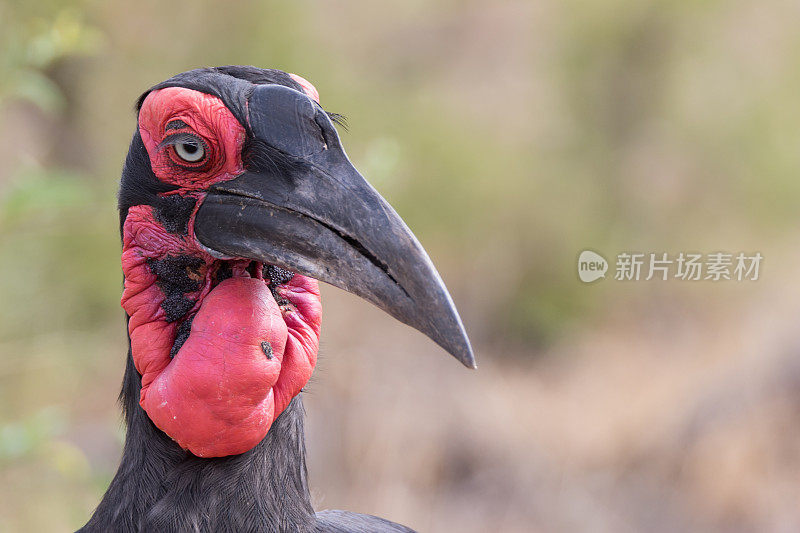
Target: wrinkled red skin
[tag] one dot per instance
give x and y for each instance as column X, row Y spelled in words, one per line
column 220, row 393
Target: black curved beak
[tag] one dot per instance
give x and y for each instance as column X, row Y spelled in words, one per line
column 301, row 205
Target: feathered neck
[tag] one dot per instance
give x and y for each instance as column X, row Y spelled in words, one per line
column 160, row 487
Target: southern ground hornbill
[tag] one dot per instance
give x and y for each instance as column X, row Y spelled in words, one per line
column 236, row 196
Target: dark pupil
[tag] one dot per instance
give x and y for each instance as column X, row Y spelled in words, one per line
column 190, row 147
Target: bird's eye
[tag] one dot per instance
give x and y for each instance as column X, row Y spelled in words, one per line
column 190, row 151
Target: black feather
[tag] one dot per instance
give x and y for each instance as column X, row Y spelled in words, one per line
column 138, row 185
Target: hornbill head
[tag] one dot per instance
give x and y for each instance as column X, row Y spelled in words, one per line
column 235, row 197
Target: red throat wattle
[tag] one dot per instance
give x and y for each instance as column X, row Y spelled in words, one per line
column 216, row 373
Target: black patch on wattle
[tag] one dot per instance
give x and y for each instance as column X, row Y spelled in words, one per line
column 174, row 281
column 176, row 307
column 277, row 276
column 173, row 212
column 266, row 347
column 180, row 336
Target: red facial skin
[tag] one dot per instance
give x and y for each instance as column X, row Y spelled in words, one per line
column 220, row 393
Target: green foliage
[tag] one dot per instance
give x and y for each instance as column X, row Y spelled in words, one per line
column 43, row 193
column 30, row 436
column 31, row 42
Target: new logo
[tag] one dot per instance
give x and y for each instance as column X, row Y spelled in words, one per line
column 591, row 266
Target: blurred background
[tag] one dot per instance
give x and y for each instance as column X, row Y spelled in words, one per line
column 510, row 135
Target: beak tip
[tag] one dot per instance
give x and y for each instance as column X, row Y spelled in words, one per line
column 446, row 328
column 463, row 352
